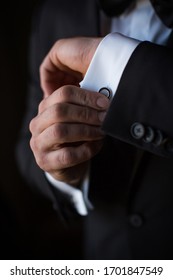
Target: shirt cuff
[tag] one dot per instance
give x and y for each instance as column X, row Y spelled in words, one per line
column 108, row 62
column 78, row 198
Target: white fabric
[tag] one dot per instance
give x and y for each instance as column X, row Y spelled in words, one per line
column 75, row 195
column 138, row 23
column 108, row 62
column 141, row 22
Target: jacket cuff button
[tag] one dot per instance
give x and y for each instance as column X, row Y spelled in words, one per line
column 149, row 135
column 158, row 140
column 137, row 130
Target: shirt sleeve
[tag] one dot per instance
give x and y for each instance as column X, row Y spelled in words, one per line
column 105, row 70
column 77, row 197
column 108, row 62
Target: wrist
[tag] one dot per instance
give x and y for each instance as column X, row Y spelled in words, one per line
column 72, row 176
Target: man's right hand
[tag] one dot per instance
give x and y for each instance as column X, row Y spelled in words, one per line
column 66, row 132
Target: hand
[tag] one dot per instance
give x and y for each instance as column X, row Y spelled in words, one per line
column 66, row 132
column 67, row 63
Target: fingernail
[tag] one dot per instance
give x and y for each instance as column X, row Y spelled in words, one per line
column 103, row 102
column 101, row 116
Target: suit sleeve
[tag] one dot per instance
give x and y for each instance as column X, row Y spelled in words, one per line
column 141, row 113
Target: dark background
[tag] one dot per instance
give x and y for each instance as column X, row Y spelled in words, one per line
column 28, row 228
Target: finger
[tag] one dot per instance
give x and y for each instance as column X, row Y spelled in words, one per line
column 72, row 175
column 68, row 55
column 57, row 79
column 68, row 156
column 54, row 136
column 75, row 95
column 65, row 113
column 53, row 69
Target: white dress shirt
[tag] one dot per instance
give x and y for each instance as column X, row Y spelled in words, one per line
column 138, row 23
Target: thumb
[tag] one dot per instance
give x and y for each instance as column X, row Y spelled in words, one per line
column 67, row 62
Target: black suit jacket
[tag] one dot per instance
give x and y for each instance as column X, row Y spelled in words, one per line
column 131, row 180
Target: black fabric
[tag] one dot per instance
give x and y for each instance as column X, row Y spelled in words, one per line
column 130, row 180
column 114, row 7
column 164, row 10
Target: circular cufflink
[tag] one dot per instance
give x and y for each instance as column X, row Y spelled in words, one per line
column 106, row 91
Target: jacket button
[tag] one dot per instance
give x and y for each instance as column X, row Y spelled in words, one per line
column 137, row 130
column 107, row 92
column 158, row 140
column 136, row 220
column 149, row 135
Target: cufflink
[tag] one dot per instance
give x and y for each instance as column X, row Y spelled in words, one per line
column 106, row 91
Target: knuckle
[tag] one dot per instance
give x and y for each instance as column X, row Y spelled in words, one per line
column 59, row 131
column 34, row 144
column 87, row 153
column 90, row 132
column 88, row 116
column 83, row 96
column 40, row 158
column 84, row 130
column 41, row 161
column 42, row 105
column 32, row 125
column 84, row 114
column 85, row 99
column 65, row 93
column 59, row 111
column 67, row 157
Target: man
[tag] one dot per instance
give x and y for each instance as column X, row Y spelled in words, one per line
column 106, row 158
